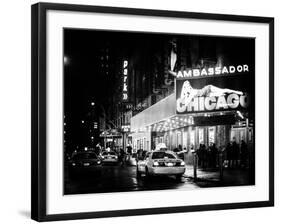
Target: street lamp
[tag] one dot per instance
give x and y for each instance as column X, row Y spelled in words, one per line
column 66, row 60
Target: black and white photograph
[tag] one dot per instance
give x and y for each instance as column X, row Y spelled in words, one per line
column 147, row 111
column 138, row 111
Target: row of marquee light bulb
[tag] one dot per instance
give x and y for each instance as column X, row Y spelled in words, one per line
column 177, row 122
column 169, row 124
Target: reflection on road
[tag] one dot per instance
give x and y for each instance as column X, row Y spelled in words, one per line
column 120, row 179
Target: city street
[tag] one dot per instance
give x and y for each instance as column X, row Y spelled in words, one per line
column 162, row 101
column 118, row 178
column 115, row 178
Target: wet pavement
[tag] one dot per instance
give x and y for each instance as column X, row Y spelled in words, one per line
column 116, row 178
column 119, row 179
column 230, row 177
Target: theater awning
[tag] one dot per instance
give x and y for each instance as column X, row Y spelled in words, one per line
column 163, row 109
column 162, row 117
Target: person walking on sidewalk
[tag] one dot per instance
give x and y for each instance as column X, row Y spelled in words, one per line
column 244, row 154
column 204, row 154
column 228, row 150
column 235, row 151
column 122, row 157
column 213, row 155
column 200, row 155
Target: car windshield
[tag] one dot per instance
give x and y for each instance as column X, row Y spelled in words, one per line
column 162, row 155
column 85, row 156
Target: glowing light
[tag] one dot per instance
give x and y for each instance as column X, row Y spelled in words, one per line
column 66, row 60
column 240, row 114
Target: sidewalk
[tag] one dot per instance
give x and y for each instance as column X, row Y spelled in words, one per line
column 211, row 177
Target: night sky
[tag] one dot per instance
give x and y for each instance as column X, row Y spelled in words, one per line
column 84, row 80
column 87, row 79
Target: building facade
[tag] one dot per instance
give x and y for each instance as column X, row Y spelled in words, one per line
column 210, row 66
column 157, row 109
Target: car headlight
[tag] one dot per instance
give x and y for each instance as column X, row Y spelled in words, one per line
column 155, row 163
column 182, row 163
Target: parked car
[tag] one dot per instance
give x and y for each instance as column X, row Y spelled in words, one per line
column 161, row 162
column 109, row 158
column 85, row 162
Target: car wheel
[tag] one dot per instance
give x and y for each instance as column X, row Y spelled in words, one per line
column 178, row 177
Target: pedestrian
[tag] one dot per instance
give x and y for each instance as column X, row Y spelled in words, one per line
column 129, row 149
column 235, row 153
column 121, row 157
column 98, row 149
column 129, row 152
column 180, row 148
column 228, row 150
column 175, row 150
column 200, row 155
column 213, row 155
column 244, row 154
column 140, row 154
column 204, row 156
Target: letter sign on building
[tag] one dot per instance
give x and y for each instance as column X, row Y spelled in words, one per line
column 213, row 89
column 125, row 97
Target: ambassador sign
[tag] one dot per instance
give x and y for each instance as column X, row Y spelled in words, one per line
column 223, row 70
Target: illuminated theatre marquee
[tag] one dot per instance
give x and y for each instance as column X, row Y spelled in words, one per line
column 223, row 70
column 213, row 103
column 218, row 95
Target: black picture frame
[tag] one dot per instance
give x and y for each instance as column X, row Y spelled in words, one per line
column 39, row 122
